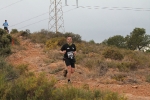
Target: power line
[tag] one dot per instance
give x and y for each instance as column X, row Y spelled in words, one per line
column 70, row 10
column 64, row 12
column 10, row 4
column 44, row 19
column 88, row 7
column 29, row 19
column 33, row 23
column 113, row 8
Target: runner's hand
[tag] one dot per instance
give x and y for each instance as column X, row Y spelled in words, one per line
column 64, row 51
column 74, row 53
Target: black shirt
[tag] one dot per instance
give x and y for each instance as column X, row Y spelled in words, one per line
column 69, row 50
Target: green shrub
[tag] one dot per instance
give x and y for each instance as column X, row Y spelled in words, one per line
column 119, row 77
column 3, row 64
column 38, row 38
column 89, row 63
column 8, row 70
column 22, row 68
column 37, row 87
column 24, row 34
column 15, row 41
column 56, row 70
column 92, row 42
column 113, row 54
column 148, row 51
column 14, row 31
column 3, row 85
column 5, row 42
column 137, row 58
column 79, row 58
column 44, row 35
column 148, row 78
column 5, row 51
column 72, row 93
column 88, row 47
column 113, row 96
column 126, row 66
column 86, row 86
column 55, row 42
column 75, row 37
column 31, row 88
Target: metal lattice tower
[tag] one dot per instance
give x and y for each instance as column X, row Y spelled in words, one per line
column 56, row 22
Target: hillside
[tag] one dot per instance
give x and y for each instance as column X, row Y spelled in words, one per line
column 132, row 84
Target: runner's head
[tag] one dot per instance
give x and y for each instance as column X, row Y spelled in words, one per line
column 5, row 20
column 69, row 39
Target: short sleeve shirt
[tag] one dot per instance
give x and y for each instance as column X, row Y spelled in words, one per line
column 69, row 50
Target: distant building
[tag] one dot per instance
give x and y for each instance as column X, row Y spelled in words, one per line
column 144, row 49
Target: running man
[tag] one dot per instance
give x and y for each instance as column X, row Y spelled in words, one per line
column 69, row 51
column 5, row 24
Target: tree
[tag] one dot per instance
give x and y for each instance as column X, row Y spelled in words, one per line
column 117, row 40
column 5, row 41
column 137, row 39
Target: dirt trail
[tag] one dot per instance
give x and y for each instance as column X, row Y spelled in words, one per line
column 33, row 55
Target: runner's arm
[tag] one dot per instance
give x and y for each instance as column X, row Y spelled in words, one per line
column 62, row 50
column 74, row 50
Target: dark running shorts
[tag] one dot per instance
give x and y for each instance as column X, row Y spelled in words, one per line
column 5, row 28
column 70, row 62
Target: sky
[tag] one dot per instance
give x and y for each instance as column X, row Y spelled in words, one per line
column 93, row 19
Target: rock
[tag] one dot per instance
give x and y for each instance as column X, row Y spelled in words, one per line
column 135, row 87
column 37, row 46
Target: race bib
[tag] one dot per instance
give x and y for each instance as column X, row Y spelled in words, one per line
column 70, row 55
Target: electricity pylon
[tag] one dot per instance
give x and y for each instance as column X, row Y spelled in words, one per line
column 76, row 3
column 56, row 22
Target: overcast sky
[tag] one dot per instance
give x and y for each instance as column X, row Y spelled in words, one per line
column 98, row 20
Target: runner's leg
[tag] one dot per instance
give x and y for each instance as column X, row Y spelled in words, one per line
column 72, row 70
column 69, row 72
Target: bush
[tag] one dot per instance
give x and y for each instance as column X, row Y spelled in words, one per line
column 113, row 54
column 7, row 70
column 31, row 88
column 92, row 42
column 5, row 42
column 72, row 93
column 24, row 34
column 138, row 58
column 148, row 51
column 87, row 48
column 75, row 37
column 54, row 55
column 148, row 78
column 119, row 77
column 38, row 87
column 44, row 35
column 55, row 42
column 15, row 41
column 39, row 37
column 14, row 31
column 79, row 58
column 126, row 66
column 22, row 68
column 89, row 63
